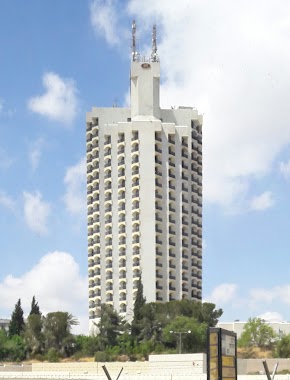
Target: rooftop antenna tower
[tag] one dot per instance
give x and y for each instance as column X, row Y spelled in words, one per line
column 154, row 57
column 134, row 52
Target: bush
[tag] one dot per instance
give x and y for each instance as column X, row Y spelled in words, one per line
column 52, row 355
column 39, row 357
column 101, row 356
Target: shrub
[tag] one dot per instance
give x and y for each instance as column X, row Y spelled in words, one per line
column 52, row 355
column 101, row 356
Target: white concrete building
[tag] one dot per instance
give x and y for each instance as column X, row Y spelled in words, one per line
column 144, row 197
column 280, row 328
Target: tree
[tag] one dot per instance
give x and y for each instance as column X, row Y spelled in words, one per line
column 33, row 335
column 209, row 314
column 257, row 333
column 57, row 331
column 16, row 325
column 110, row 327
column 195, row 341
column 140, row 301
column 34, row 307
column 283, row 347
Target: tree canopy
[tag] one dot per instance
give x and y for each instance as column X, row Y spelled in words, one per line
column 34, row 307
column 257, row 333
column 16, row 325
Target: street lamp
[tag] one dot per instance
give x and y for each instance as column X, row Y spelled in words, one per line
column 180, row 334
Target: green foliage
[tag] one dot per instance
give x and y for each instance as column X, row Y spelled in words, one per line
column 138, row 310
column 101, row 356
column 283, row 347
column 34, row 307
column 195, row 341
column 52, row 355
column 86, row 345
column 15, row 349
column 16, row 325
column 57, row 332
column 33, row 335
column 110, row 326
column 257, row 333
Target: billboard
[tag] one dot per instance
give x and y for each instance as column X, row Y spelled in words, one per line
column 221, row 354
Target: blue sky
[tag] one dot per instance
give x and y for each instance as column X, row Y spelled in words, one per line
column 231, row 61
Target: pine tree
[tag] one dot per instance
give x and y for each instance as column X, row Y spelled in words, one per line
column 34, row 307
column 140, row 301
column 16, row 325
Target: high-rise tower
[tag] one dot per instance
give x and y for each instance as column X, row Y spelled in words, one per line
column 144, row 196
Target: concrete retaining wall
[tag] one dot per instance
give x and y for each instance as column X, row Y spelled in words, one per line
column 252, row 366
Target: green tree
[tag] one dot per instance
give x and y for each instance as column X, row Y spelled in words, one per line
column 87, row 345
column 34, row 307
column 283, row 347
column 139, row 303
column 110, row 327
column 33, row 335
column 3, row 340
column 195, row 341
column 57, row 332
column 16, row 325
column 208, row 314
column 257, row 333
column 15, row 348
column 150, row 325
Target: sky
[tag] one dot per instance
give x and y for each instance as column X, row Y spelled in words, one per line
column 228, row 59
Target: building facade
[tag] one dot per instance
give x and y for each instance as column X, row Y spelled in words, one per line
column 144, row 197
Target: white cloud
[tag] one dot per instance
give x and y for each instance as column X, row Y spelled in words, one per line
column 59, row 102
column 36, row 212
column 271, row 316
column 223, row 294
column 56, row 283
column 35, row 153
column 6, row 200
column 285, row 169
column 104, row 19
column 75, row 181
column 231, row 63
column 1, row 105
column 262, row 201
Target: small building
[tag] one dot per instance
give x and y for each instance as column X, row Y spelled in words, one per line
column 4, row 324
column 280, row 328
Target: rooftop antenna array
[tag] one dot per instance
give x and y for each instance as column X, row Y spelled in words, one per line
column 154, row 57
column 134, row 52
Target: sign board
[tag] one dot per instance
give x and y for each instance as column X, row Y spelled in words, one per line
column 221, row 354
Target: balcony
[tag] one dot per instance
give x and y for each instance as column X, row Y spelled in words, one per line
column 158, row 184
column 158, row 241
column 158, row 253
column 157, row 161
column 158, row 218
column 157, row 149
column 158, row 137
column 171, row 208
column 157, row 195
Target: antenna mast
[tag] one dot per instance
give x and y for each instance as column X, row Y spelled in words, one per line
column 154, row 57
column 134, row 52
